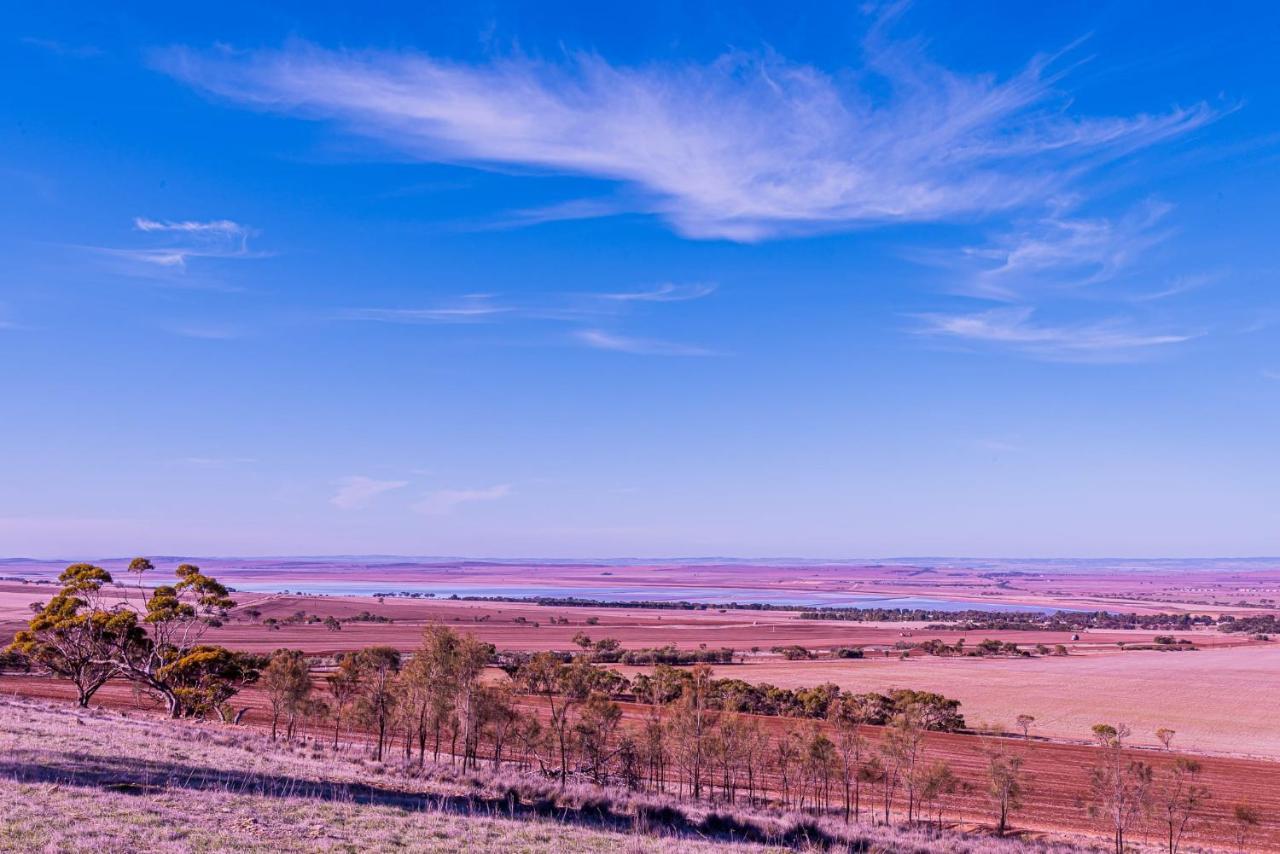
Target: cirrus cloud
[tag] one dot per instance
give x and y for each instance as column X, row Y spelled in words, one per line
column 1108, row 340
column 357, row 491
column 444, row 501
column 745, row 148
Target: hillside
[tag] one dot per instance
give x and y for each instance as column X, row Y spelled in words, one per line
column 132, row 782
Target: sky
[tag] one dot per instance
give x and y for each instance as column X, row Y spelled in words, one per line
column 569, row 279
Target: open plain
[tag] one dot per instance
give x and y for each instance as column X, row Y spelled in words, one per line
column 1217, row 691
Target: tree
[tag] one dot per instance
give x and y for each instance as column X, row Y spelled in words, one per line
column 564, row 687
column 173, row 620
column 71, row 636
column 937, row 781
column 819, row 760
column 1119, row 786
column 850, row 714
column 154, row 642
column 205, row 677
column 376, row 701
column 332, row 623
column 595, row 730
column 344, row 686
column 691, row 724
column 1246, row 819
column 500, row 715
column 470, row 659
column 786, row 754
column 1005, row 785
column 900, row 751
column 1180, row 799
column 1024, row 724
column 287, row 681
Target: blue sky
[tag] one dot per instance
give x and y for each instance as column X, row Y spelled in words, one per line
column 595, row 280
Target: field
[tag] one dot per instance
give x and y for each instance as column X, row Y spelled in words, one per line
column 1219, row 698
column 1218, row 701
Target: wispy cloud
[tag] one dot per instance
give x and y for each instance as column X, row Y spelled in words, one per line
column 601, row 340
column 444, row 501
column 357, row 491
column 472, row 308
column 1271, row 375
column 188, row 226
column 577, row 309
column 1176, row 286
column 175, row 243
column 667, row 292
column 744, row 148
column 1107, row 340
column 567, row 211
column 1064, row 253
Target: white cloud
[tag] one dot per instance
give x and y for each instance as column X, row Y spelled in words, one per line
column 473, row 308
column 601, row 340
column 357, row 491
column 667, row 292
column 180, row 241
column 1100, row 341
column 443, row 501
column 1060, row 252
column 217, row 226
column 577, row 308
column 745, row 148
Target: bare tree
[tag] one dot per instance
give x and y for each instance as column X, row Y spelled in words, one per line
column 849, row 717
column 1179, row 799
column 1024, row 724
column 1119, row 786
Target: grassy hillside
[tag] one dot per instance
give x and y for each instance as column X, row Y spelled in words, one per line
column 79, row 780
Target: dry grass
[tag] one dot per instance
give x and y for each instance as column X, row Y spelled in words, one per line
column 95, row 780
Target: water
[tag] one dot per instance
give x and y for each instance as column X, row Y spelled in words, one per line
column 631, row 593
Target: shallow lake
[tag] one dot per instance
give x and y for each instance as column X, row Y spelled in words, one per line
column 621, row 593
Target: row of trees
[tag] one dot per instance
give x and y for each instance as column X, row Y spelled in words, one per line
column 1126, row 792
column 561, row 718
